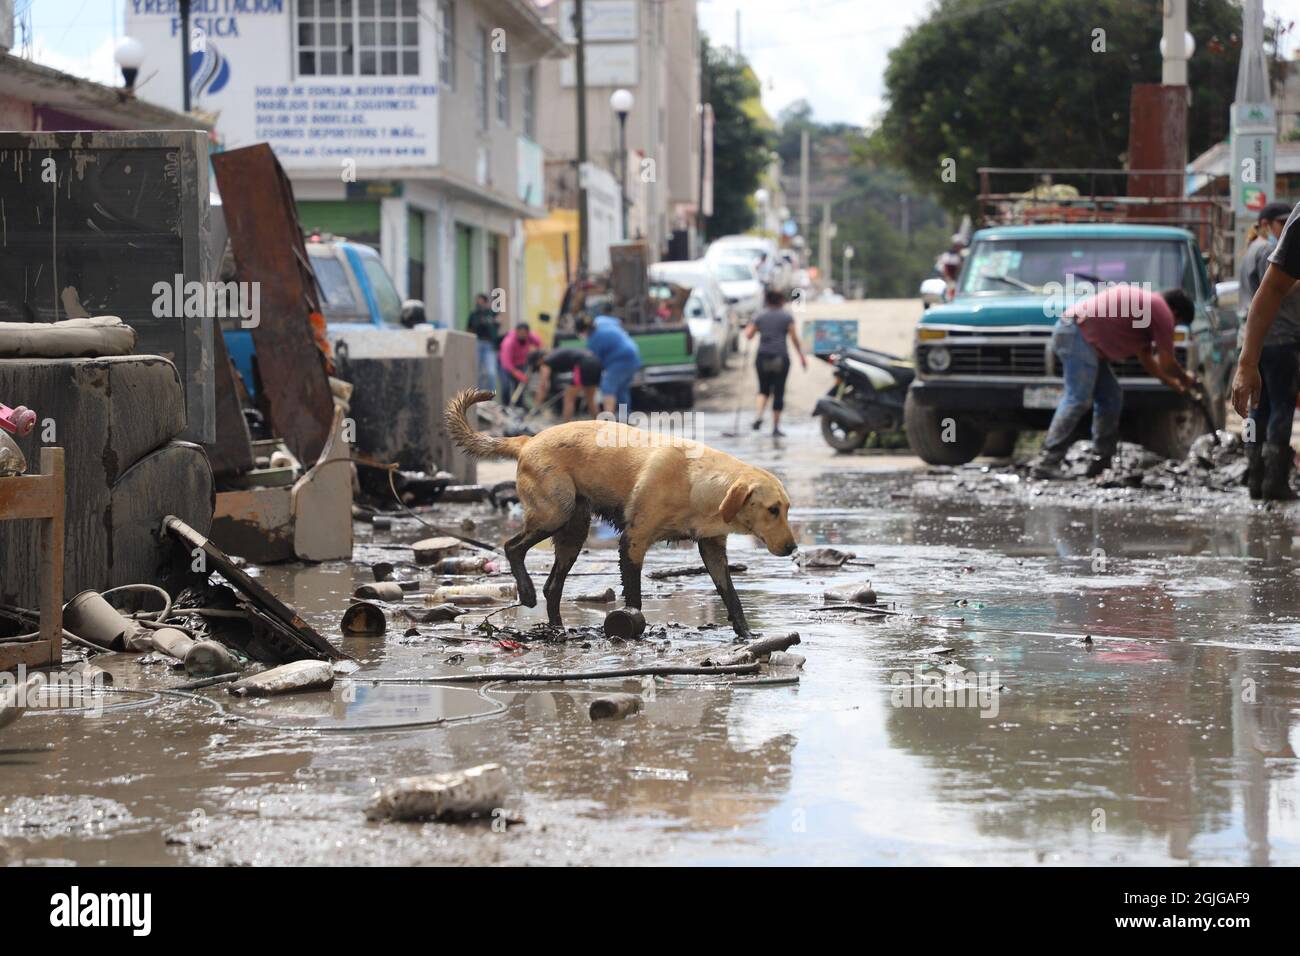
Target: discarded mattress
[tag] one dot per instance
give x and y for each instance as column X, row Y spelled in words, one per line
column 70, row 338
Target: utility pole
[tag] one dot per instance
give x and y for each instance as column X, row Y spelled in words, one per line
column 905, row 215
column 805, row 224
column 185, row 55
column 580, row 72
column 737, row 33
column 824, row 253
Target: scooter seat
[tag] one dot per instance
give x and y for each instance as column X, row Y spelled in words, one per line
column 898, row 367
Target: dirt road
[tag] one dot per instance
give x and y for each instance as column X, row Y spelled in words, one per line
column 1069, row 680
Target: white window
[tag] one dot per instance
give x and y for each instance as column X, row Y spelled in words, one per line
column 501, row 69
column 358, row 37
column 447, row 44
column 481, row 78
column 530, row 102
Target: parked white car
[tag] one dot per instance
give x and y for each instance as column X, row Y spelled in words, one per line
column 709, row 316
column 762, row 252
column 740, row 285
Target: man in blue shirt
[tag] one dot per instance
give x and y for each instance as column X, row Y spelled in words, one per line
column 619, row 359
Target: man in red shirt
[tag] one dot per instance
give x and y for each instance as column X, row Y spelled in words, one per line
column 1120, row 322
column 513, row 355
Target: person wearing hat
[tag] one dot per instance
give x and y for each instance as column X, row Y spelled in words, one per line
column 1268, row 439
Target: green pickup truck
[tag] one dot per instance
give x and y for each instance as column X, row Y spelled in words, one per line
column 668, row 366
column 984, row 358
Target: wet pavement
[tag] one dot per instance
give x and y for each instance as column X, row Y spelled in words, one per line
column 1129, row 682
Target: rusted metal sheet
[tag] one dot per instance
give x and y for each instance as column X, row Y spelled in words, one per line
column 266, row 240
column 95, row 223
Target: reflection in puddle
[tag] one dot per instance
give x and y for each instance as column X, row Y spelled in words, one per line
column 1169, row 737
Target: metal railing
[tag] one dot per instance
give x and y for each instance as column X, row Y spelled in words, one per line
column 1045, row 200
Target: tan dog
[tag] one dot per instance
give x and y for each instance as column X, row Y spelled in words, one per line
column 651, row 489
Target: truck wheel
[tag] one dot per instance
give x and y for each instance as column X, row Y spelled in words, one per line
column 841, row 438
column 1000, row 443
column 1171, row 433
column 928, row 427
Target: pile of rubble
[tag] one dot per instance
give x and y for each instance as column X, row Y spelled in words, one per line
column 1215, row 466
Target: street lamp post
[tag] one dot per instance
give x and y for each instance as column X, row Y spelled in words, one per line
column 130, row 57
column 621, row 102
column 848, row 258
column 185, row 54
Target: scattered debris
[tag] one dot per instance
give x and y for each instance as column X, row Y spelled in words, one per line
column 664, row 574
column 615, row 706
column 298, row 676
column 440, row 613
column 782, row 659
column 853, row 594
column 363, row 619
column 273, row 623
column 471, row 565
column 208, row 658
column 823, row 558
column 466, row 593
column 172, row 641
column 503, row 494
column 624, row 623
column 597, row 597
column 477, row 791
column 90, row 617
column 751, row 652
column 381, row 591
column 433, row 550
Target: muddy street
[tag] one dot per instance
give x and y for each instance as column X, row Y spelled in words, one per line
column 1066, row 681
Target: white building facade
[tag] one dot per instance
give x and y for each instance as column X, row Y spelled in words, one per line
column 410, row 125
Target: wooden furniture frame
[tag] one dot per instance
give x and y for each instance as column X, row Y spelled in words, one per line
column 39, row 497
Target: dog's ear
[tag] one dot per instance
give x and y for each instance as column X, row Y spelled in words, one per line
column 737, row 495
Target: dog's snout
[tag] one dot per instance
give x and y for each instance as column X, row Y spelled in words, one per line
column 790, row 549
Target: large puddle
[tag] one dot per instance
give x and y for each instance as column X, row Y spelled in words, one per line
column 980, row 728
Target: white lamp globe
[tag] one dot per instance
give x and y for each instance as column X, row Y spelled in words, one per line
column 621, row 101
column 129, row 53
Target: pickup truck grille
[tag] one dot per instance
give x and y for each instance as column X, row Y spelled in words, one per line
column 1026, row 359
column 1032, row 358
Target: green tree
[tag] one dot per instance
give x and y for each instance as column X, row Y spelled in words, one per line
column 742, row 139
column 1041, row 83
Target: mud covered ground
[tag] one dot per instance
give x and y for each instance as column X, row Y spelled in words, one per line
column 1141, row 670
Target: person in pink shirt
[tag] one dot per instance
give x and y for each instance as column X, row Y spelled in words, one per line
column 515, row 349
column 1120, row 322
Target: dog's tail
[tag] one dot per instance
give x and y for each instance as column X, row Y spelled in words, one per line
column 475, row 443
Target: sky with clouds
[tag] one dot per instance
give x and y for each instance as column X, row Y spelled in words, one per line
column 830, row 52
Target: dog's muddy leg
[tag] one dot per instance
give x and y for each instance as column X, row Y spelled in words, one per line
column 630, row 559
column 516, row 550
column 568, row 543
column 549, row 502
column 713, row 551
